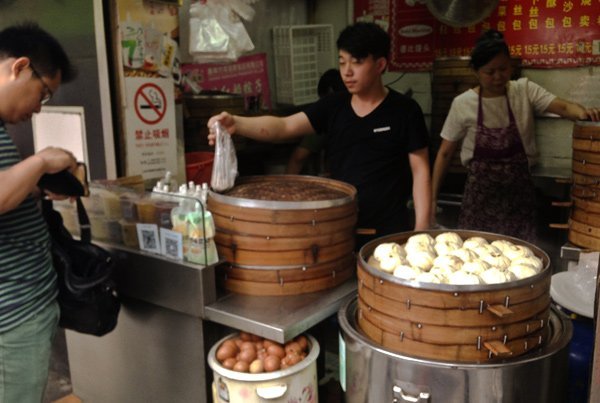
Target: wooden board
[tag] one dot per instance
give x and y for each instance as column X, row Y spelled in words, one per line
column 585, row 218
column 451, row 300
column 585, row 180
column 584, row 240
column 586, row 131
column 271, row 275
column 271, row 244
column 453, row 317
column 452, row 334
column 274, row 216
column 589, row 206
column 300, row 257
column 586, row 168
column 453, row 353
column 330, row 280
column 586, row 145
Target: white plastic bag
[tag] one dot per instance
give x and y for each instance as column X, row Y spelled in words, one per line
column 216, row 32
column 225, row 163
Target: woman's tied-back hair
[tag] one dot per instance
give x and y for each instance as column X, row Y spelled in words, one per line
column 490, row 44
column 44, row 51
column 363, row 39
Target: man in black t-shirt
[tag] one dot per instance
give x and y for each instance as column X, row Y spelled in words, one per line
column 375, row 137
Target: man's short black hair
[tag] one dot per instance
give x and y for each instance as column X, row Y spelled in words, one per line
column 45, row 52
column 363, row 39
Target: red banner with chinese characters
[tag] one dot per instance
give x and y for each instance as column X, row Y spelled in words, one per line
column 543, row 33
column 247, row 76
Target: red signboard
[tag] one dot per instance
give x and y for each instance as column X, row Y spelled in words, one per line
column 543, row 33
column 247, row 76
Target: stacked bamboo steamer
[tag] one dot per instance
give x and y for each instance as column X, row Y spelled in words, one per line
column 458, row 323
column 285, row 234
column 584, row 224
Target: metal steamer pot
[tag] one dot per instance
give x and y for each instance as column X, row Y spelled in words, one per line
column 297, row 383
column 370, row 373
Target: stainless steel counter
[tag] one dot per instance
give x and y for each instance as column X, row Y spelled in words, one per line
column 157, row 351
column 278, row 318
column 170, row 316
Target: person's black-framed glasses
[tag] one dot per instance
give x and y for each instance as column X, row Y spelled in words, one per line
column 47, row 96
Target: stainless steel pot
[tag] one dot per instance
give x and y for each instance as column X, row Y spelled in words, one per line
column 370, row 373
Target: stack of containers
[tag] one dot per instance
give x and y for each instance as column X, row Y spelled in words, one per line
column 584, row 223
column 104, row 212
column 115, row 213
column 195, row 223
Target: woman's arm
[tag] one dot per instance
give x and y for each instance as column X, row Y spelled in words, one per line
column 572, row 110
column 419, row 165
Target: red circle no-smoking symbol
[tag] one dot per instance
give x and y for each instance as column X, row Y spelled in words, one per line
column 150, row 103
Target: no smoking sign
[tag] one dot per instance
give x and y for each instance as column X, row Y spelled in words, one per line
column 150, row 103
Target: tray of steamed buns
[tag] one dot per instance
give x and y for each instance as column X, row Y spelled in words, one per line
column 455, row 258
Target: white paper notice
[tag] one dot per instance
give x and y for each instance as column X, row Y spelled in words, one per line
column 150, row 129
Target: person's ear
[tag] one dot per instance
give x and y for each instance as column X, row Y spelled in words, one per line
column 381, row 64
column 19, row 65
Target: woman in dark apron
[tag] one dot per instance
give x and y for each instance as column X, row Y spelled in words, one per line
column 499, row 194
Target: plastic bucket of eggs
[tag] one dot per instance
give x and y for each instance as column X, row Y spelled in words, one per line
column 249, row 368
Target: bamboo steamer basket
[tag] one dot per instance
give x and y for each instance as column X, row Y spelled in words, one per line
column 459, row 323
column 584, row 222
column 285, row 234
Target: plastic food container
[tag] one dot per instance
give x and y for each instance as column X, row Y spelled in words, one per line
column 297, row 383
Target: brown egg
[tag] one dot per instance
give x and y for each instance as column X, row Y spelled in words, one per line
column 267, row 343
column 224, row 352
column 229, row 363
column 248, row 345
column 261, row 354
column 247, row 355
column 230, row 342
column 272, row 363
column 255, row 338
column 293, row 346
column 238, row 342
column 303, row 341
column 277, row 350
column 245, row 336
column 241, row 366
column 256, row 367
column 292, row 359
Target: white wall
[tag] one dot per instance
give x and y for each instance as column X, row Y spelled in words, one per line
column 553, row 134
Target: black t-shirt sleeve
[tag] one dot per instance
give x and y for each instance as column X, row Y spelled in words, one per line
column 418, row 135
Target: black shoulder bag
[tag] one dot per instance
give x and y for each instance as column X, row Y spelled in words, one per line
column 86, row 290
